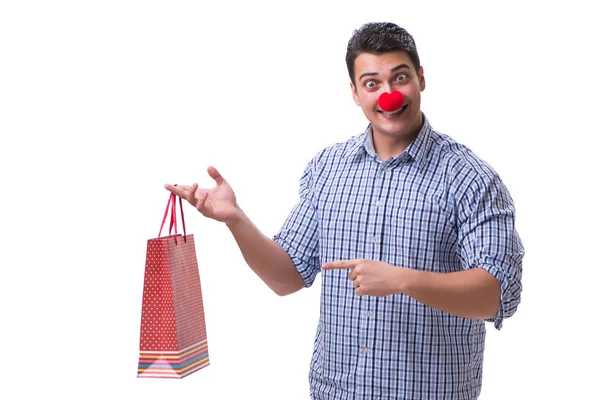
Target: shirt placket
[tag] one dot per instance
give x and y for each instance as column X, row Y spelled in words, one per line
column 368, row 312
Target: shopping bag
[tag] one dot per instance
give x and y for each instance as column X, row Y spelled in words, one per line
column 173, row 340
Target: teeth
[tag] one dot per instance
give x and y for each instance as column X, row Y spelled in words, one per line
column 394, row 112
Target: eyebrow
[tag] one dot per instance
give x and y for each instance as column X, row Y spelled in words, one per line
column 396, row 68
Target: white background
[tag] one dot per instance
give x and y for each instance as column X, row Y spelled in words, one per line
column 103, row 102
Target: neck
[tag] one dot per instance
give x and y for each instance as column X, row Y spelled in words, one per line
column 389, row 146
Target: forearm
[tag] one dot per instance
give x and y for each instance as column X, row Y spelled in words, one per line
column 265, row 257
column 472, row 293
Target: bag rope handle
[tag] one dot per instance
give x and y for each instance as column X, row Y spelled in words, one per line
column 172, row 204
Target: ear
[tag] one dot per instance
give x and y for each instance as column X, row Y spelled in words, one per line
column 355, row 94
column 421, row 79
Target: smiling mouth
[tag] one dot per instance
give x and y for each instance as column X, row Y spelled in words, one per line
column 398, row 111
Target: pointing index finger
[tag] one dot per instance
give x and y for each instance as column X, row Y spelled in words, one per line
column 342, row 264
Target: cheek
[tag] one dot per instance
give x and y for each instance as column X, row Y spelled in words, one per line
column 368, row 101
column 412, row 94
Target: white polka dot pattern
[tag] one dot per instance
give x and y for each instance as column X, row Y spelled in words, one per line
column 172, row 307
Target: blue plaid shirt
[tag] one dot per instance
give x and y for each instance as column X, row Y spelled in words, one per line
column 435, row 207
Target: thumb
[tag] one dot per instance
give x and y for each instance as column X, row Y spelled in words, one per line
column 212, row 171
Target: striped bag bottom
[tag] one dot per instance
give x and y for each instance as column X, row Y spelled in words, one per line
column 173, row 364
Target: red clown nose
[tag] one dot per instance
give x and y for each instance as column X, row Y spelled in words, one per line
column 391, row 101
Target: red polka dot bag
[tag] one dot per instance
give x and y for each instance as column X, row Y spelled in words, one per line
column 173, row 342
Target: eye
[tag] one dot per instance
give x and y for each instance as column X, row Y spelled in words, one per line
column 370, row 84
column 400, row 77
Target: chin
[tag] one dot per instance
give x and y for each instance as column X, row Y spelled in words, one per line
column 398, row 129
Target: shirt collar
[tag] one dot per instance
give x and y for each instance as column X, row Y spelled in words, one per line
column 417, row 150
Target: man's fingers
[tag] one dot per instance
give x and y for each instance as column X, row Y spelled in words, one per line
column 185, row 192
column 212, row 171
column 201, row 201
column 344, row 264
column 177, row 190
column 352, row 275
column 190, row 194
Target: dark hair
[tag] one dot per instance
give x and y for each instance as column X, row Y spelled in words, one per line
column 377, row 38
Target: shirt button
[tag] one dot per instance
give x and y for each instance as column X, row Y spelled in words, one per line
column 374, row 239
column 366, row 350
column 369, row 314
column 377, row 203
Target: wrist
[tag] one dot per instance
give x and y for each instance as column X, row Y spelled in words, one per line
column 408, row 280
column 236, row 218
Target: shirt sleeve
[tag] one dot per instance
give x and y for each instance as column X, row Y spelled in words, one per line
column 299, row 236
column 488, row 239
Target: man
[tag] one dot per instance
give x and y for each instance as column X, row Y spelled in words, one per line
column 414, row 236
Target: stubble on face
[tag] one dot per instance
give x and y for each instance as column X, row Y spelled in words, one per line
column 379, row 73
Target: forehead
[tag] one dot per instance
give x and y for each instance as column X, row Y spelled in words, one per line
column 380, row 63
